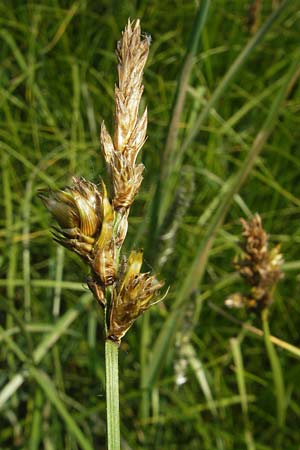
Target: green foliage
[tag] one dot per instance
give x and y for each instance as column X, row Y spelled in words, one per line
column 236, row 152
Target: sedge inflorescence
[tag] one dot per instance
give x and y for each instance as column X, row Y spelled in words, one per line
column 259, row 266
column 94, row 226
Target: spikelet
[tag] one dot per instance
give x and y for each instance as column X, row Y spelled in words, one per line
column 77, row 210
column 85, row 217
column 134, row 294
column 121, row 152
column 259, row 266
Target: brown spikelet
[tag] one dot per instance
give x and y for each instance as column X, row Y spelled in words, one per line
column 130, row 130
column 78, row 212
column 135, row 292
column 259, row 266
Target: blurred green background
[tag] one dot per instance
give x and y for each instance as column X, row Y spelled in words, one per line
column 191, row 375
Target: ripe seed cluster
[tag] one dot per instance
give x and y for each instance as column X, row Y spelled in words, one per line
column 259, row 266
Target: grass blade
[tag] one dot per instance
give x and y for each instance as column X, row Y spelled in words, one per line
column 49, row 390
column 276, row 371
column 239, row 365
column 200, row 375
column 12, row 345
column 62, row 324
column 10, row 388
column 233, row 71
column 42, row 349
column 35, row 435
column 195, row 274
column 182, row 85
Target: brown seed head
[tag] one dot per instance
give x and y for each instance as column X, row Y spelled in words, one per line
column 255, row 242
column 134, row 294
column 98, row 290
column 121, row 152
column 259, row 266
column 94, row 227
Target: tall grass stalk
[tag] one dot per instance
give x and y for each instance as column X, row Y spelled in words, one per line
column 240, row 375
column 35, row 435
column 94, row 226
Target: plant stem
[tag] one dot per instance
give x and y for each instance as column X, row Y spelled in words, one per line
column 276, row 371
column 36, row 426
column 112, row 395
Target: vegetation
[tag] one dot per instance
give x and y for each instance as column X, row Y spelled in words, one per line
column 222, row 91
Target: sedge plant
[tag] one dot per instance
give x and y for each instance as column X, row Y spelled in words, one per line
column 93, row 224
column 261, row 269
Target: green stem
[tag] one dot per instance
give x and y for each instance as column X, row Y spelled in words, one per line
column 111, row 366
column 112, row 395
column 35, row 436
column 276, row 371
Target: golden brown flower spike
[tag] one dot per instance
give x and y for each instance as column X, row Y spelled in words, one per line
column 93, row 226
column 130, row 129
column 259, row 266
